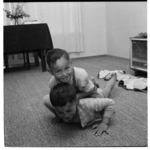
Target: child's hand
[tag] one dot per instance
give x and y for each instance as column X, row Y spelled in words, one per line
column 55, row 120
column 100, row 129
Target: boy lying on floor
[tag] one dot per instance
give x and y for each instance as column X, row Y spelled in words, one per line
column 71, row 109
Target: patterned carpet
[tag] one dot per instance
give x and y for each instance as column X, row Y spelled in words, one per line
column 27, row 121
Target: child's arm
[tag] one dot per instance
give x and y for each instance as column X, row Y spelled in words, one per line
column 103, row 106
column 108, row 106
column 89, row 89
column 56, row 119
column 85, row 94
column 87, row 86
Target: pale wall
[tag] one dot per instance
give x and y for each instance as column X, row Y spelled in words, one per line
column 124, row 20
column 109, row 25
column 94, row 23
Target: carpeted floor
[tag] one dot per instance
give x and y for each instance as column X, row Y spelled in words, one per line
column 27, row 121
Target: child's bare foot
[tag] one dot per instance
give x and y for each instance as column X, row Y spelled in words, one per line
column 108, row 77
column 111, row 75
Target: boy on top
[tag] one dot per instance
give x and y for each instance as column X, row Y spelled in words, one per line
column 60, row 66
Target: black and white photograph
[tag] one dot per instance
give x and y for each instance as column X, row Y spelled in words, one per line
column 75, row 74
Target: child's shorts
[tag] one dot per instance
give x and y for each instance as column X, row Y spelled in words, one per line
column 98, row 94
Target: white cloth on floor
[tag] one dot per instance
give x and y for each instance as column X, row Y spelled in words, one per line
column 106, row 74
column 125, row 80
column 140, row 83
column 135, row 84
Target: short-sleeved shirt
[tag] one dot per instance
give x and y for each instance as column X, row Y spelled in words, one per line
column 91, row 109
column 79, row 78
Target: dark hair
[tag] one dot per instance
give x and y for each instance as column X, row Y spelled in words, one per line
column 62, row 93
column 53, row 55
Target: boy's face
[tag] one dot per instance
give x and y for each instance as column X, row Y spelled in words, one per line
column 62, row 70
column 68, row 111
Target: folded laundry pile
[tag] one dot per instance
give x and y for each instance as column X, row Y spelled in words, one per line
column 126, row 81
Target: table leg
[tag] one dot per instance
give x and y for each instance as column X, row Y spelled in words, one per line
column 24, row 59
column 43, row 63
column 28, row 61
column 36, row 59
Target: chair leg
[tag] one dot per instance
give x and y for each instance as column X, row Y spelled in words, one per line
column 36, row 60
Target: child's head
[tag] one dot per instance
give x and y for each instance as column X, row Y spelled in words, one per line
column 63, row 98
column 59, row 64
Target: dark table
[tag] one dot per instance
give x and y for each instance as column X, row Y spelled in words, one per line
column 25, row 39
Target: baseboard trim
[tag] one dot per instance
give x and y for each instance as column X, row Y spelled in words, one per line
column 118, row 57
column 105, row 55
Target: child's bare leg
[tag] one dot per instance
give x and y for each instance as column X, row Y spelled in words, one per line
column 94, row 82
column 109, row 85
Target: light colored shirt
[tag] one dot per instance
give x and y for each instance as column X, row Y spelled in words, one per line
column 91, row 109
column 82, row 80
